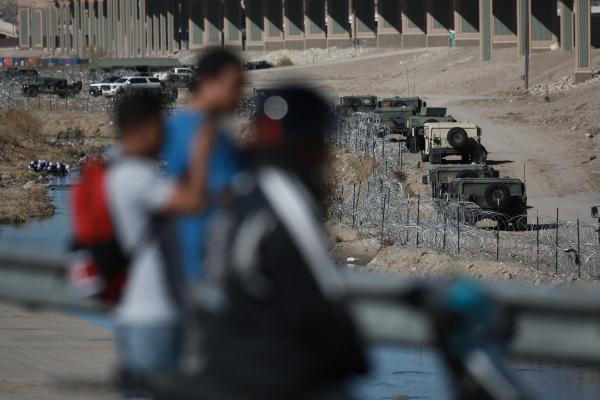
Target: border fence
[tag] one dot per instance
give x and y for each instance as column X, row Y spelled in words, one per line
column 382, row 206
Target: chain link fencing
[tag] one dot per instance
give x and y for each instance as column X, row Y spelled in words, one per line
column 382, row 206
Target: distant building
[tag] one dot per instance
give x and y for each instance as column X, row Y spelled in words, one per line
column 141, row 28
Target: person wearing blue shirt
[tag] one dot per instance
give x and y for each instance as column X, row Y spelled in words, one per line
column 216, row 93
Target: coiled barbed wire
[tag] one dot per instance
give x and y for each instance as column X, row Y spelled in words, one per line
column 383, row 207
column 11, row 97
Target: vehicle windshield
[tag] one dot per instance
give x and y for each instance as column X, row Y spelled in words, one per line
column 110, row 79
column 121, row 80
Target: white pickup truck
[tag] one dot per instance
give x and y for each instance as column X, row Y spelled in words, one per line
column 180, row 73
column 130, row 82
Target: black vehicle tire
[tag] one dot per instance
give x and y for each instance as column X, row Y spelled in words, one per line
column 457, row 138
column 479, row 154
column 497, row 196
column 467, row 174
column 435, row 159
column 420, row 142
column 411, row 144
column 424, row 157
column 96, row 93
column 33, row 92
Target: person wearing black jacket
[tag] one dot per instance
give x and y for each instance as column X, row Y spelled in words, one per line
column 277, row 326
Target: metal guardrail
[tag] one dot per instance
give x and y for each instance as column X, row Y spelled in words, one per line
column 559, row 324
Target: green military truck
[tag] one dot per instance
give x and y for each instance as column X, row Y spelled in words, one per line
column 501, row 199
column 405, row 114
column 440, row 175
column 351, row 104
column 444, row 139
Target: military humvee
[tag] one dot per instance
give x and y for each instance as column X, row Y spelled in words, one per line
column 443, row 139
column 352, row 104
column 402, row 114
column 505, row 196
column 414, row 103
column 415, row 138
column 440, row 175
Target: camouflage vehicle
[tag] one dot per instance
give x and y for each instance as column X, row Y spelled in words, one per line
column 414, row 103
column 440, row 175
column 506, row 197
column 395, row 118
column 444, row 139
column 352, row 104
column 404, row 115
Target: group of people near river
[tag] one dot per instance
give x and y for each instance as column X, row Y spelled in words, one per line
column 230, row 291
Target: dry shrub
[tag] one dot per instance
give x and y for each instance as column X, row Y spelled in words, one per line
column 18, row 204
column 285, row 61
column 18, row 125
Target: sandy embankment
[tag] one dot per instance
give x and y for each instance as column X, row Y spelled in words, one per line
column 52, row 136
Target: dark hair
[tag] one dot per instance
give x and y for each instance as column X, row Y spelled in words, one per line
column 137, row 107
column 213, row 62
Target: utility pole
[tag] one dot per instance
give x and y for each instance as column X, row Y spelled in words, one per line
column 354, row 23
column 527, row 44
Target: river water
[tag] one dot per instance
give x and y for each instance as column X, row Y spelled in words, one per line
column 412, row 372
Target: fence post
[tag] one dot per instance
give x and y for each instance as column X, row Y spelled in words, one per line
column 578, row 258
column 354, row 206
column 407, row 220
column 537, row 238
column 556, row 246
column 444, row 237
column 458, row 227
column 385, row 196
column 418, row 217
column 497, row 242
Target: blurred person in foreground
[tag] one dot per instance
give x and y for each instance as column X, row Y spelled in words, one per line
column 147, row 316
column 216, row 94
column 275, row 323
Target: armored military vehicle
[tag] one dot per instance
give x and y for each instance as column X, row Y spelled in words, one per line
column 444, row 139
column 352, row 104
column 506, row 197
column 403, row 114
column 56, row 86
column 415, row 137
column 440, row 175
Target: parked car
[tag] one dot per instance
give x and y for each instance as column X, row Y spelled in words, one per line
column 96, row 88
column 56, row 86
column 121, row 85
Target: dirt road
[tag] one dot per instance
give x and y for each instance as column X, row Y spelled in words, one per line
column 554, row 176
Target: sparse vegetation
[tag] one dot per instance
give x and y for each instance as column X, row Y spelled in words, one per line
column 285, row 61
column 25, row 137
